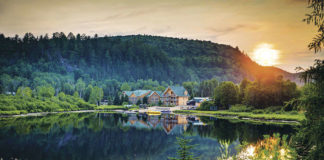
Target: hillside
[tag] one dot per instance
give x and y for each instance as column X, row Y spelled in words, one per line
column 126, row 58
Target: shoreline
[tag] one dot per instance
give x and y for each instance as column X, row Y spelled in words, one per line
column 46, row 113
column 229, row 116
column 241, row 116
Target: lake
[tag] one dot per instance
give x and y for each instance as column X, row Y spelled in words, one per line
column 123, row 136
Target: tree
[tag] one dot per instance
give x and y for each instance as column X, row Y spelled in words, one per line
column 309, row 139
column 125, row 87
column 62, row 96
column 76, row 94
column 226, row 94
column 316, row 17
column 96, row 95
column 243, row 85
column 268, row 92
column 145, row 100
column 88, row 92
column 116, row 100
column 68, row 88
column 138, row 102
column 191, row 87
column 5, row 81
column 205, row 106
column 125, row 99
column 184, row 150
column 45, row 91
column 24, row 92
column 80, row 86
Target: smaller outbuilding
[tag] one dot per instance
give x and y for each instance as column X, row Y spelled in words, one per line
column 196, row 101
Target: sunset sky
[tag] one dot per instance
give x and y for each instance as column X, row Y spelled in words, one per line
column 243, row 23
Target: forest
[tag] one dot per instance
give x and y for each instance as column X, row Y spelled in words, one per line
column 99, row 68
column 63, row 59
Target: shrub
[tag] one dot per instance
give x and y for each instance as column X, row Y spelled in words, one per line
column 257, row 111
column 240, row 108
column 293, row 112
column 205, row 106
column 273, row 109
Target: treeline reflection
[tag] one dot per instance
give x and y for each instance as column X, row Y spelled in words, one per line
column 120, row 136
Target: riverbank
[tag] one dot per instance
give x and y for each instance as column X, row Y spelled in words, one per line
column 97, row 109
column 249, row 116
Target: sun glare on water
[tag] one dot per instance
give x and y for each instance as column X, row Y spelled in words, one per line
column 265, row 55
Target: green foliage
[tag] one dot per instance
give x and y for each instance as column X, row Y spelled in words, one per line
column 243, row 85
column 145, row 100
column 80, row 86
column 202, row 89
column 117, row 100
column 45, row 91
column 110, row 107
column 184, row 150
column 309, row 141
column 270, row 92
column 226, row 94
column 316, row 17
column 96, row 95
column 76, row 94
column 24, row 92
column 17, row 104
column 150, row 62
column 124, row 99
column 224, row 149
column 125, row 87
column 240, row 108
column 205, row 106
column 270, row 148
column 258, row 111
column 138, row 102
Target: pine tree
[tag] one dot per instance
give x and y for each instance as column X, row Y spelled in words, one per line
column 184, row 150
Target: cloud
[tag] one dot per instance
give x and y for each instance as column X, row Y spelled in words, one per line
column 231, row 29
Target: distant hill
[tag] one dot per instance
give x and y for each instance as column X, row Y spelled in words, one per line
column 128, row 58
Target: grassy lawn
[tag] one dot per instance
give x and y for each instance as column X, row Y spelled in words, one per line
column 110, row 107
column 267, row 116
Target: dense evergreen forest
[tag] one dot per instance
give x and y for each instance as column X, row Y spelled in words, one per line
column 124, row 58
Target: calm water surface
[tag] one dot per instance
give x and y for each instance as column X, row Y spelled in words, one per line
column 122, row 136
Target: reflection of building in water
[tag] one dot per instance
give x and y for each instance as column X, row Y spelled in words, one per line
column 153, row 120
column 171, row 124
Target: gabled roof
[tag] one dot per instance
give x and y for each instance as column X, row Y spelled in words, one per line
column 128, row 93
column 137, row 92
column 178, row 90
column 152, row 92
column 159, row 93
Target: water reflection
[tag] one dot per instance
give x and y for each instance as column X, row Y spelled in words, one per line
column 121, row 136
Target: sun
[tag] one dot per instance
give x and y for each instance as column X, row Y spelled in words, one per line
column 265, row 55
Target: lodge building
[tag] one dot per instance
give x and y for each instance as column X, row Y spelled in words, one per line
column 173, row 95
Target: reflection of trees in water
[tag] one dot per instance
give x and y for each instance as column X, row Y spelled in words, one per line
column 105, row 136
column 90, row 138
column 225, row 130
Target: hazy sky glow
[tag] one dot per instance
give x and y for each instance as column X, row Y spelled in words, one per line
column 242, row 23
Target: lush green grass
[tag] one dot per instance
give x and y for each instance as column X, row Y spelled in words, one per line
column 13, row 112
column 293, row 116
column 11, row 105
column 110, row 107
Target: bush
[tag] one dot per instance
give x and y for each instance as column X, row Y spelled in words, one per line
column 258, row 111
column 240, row 108
column 292, row 105
column 273, row 109
column 205, row 106
column 10, row 105
column 293, row 112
